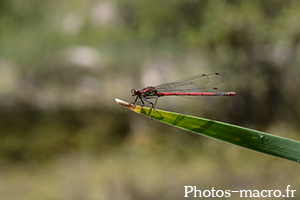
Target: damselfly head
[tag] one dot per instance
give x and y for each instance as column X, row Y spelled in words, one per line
column 134, row 92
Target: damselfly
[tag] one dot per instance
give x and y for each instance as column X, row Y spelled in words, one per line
column 195, row 86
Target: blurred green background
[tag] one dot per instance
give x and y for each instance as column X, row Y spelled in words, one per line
column 62, row 63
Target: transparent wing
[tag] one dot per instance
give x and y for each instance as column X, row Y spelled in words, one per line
column 197, row 83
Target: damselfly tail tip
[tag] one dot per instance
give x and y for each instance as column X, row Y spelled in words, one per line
column 230, row 94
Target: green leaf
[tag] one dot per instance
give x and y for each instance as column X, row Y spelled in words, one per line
column 240, row 136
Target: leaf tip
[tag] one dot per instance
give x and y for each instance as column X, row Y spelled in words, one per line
column 124, row 103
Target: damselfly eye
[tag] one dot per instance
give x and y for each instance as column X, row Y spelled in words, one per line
column 134, row 92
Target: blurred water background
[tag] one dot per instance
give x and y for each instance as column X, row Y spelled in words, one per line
column 62, row 63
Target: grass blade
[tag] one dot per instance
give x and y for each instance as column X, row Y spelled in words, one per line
column 240, row 136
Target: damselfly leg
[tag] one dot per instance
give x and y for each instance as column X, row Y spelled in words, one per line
column 142, row 99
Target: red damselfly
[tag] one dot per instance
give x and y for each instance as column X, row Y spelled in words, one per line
column 195, row 86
